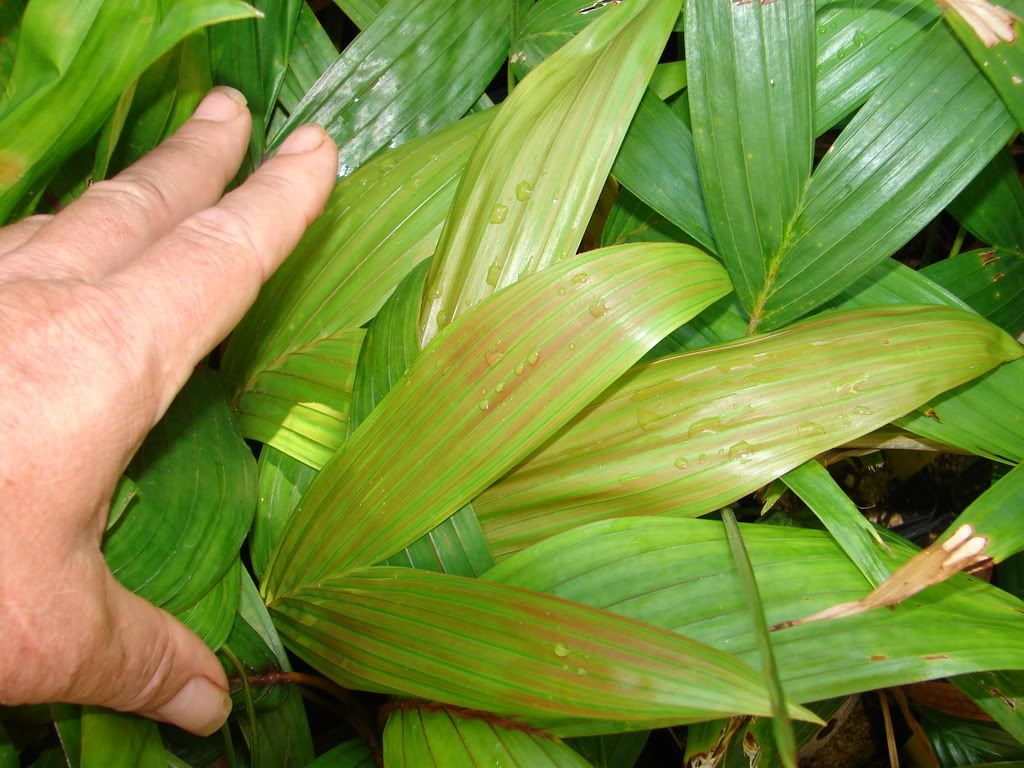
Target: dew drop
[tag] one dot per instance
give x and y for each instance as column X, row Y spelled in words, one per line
column 493, row 273
column 742, row 451
column 862, row 410
column 500, row 213
column 493, row 356
column 499, row 387
column 860, row 38
column 533, row 357
column 597, row 309
column 810, row 428
column 561, row 650
column 572, row 346
column 485, row 405
column 520, row 368
column 561, row 291
column 523, row 191
column 580, row 278
column 681, row 463
column 442, row 318
column 709, row 426
column 581, row 671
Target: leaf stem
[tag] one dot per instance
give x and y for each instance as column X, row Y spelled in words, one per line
column 781, row 725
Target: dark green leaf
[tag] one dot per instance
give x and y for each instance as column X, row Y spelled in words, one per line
column 657, row 163
column 282, row 481
column 992, row 206
column 385, row 88
column 74, row 61
column 991, row 281
column 354, row 753
column 252, row 56
column 419, row 738
column 311, row 54
column 212, row 616
column 167, row 93
column 114, row 738
column 859, row 47
column 196, row 482
column 921, row 137
column 751, row 69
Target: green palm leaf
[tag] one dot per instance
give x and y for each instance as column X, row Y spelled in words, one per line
column 679, row 574
column 196, row 482
column 446, row 638
column 78, row 68
column 535, row 175
column 685, row 435
column 517, row 369
column 378, row 224
column 417, row 67
column 423, row 738
column 751, row 70
column 301, row 405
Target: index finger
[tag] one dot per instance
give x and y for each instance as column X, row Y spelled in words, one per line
column 193, row 286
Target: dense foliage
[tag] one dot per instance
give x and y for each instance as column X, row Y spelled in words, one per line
column 457, row 451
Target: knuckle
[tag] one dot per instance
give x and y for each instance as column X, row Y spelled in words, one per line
column 223, row 235
column 137, row 190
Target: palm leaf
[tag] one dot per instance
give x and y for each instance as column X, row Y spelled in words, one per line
column 679, row 574
column 445, row 638
column 78, row 68
column 517, row 369
column 903, row 157
column 423, row 738
column 536, row 173
column 300, row 405
column 378, row 224
column 418, row 66
column 991, row 207
column 196, row 482
column 859, row 48
column 751, row 70
column 686, row 434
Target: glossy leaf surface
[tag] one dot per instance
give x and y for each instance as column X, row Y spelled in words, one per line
column 375, row 229
column 418, row 738
column 301, row 405
column 751, row 72
column 686, row 434
column 537, row 171
column 196, row 482
column 518, row 368
column 386, row 87
column 679, row 574
column 445, row 638
column 902, row 158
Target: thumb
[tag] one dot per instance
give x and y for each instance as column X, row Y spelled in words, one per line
column 159, row 668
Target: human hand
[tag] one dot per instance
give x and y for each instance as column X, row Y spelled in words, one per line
column 104, row 311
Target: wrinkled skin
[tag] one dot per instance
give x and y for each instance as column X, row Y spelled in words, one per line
column 105, row 310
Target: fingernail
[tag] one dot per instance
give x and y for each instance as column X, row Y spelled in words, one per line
column 303, row 139
column 200, row 707
column 221, row 104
